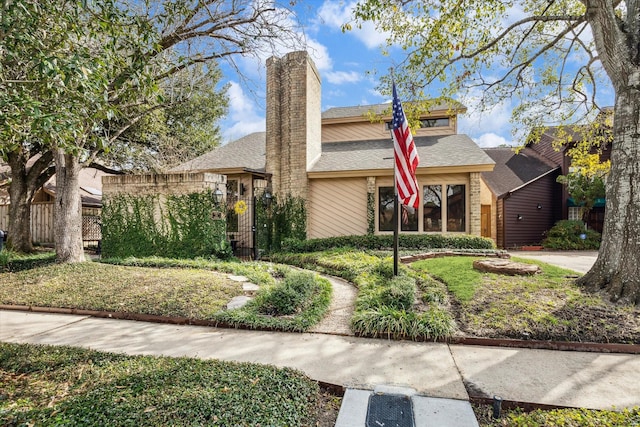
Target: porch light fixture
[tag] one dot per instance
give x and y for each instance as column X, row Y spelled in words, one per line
column 267, row 197
column 217, row 197
column 539, row 206
column 519, row 217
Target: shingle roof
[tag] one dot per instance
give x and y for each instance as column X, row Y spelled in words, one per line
column 514, row 170
column 363, row 110
column 434, row 151
column 247, row 152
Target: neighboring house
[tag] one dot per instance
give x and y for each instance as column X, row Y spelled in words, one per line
column 520, row 197
column 549, row 147
column 42, row 207
column 341, row 162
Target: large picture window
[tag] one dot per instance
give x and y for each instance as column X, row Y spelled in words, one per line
column 443, row 210
column 456, row 208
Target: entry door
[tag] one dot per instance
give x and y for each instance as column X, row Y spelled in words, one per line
column 485, row 221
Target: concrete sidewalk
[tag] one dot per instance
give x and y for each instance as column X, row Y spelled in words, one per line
column 577, row 379
column 580, row 261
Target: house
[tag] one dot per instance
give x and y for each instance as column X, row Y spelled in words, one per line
column 519, row 197
column 341, row 162
column 42, row 207
column 551, row 145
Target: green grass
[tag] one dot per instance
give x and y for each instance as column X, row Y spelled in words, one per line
column 295, row 304
column 560, row 418
column 406, row 307
column 193, row 289
column 461, row 280
column 546, row 306
column 52, row 386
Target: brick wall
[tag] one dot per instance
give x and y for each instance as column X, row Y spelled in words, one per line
column 163, row 184
column 293, row 122
column 475, row 214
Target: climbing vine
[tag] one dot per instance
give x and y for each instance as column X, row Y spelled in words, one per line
column 371, row 214
column 184, row 226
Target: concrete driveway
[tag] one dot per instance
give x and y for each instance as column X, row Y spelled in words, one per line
column 580, row 261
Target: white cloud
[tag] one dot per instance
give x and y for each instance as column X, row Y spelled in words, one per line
column 243, row 114
column 319, row 54
column 490, row 139
column 334, row 14
column 341, row 77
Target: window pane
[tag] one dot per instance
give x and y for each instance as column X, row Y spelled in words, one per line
column 455, row 208
column 385, row 208
column 408, row 218
column 432, row 208
column 433, row 123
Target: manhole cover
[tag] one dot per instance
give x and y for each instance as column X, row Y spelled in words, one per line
column 389, row 410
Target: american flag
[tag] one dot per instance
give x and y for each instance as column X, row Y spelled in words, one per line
column 406, row 155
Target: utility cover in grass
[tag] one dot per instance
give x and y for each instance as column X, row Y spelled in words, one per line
column 389, row 410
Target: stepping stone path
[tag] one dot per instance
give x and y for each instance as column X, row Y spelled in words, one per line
column 247, row 287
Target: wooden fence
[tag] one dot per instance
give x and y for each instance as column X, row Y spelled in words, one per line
column 42, row 223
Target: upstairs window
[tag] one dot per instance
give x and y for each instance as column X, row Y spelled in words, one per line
column 434, row 123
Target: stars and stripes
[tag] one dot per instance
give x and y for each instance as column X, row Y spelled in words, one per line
column 405, row 154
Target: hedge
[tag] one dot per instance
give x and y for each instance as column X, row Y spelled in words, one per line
column 381, row 242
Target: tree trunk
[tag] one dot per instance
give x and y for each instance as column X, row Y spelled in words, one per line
column 67, row 231
column 25, row 181
column 617, row 269
column 19, row 238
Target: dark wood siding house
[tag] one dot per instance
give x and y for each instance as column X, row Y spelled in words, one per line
column 551, row 148
column 524, row 193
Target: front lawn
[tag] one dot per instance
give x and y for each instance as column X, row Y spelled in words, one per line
column 191, row 289
column 547, row 306
column 451, row 298
column 52, row 386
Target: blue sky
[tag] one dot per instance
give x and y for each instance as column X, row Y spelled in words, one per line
column 344, row 61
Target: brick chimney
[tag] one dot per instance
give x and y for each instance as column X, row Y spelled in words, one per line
column 293, row 122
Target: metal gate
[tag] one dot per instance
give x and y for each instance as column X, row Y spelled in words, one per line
column 241, row 227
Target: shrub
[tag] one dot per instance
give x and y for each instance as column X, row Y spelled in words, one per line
column 400, row 293
column 14, row 262
column 568, row 235
column 289, row 296
column 377, row 242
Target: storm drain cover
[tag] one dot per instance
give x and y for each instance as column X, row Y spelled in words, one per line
column 389, row 410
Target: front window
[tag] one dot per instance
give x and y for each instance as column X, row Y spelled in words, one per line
column 443, row 210
column 385, row 208
column 432, row 207
column 455, row 208
column 408, row 215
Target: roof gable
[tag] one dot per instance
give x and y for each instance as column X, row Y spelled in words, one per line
column 513, row 170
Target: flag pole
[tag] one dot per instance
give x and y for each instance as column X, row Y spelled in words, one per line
column 396, row 204
column 406, row 160
column 396, row 221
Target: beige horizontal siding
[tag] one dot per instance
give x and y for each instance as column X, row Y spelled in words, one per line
column 367, row 130
column 337, row 207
